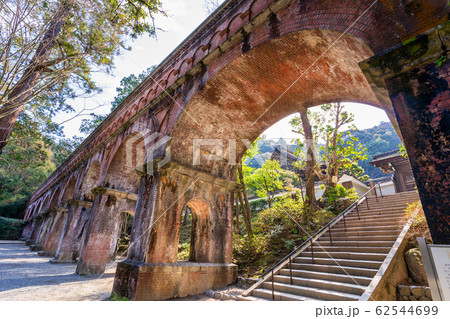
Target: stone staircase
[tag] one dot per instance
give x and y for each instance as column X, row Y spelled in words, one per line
column 339, row 265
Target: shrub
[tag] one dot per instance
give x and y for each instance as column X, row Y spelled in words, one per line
column 10, row 229
column 419, row 226
column 277, row 231
column 332, row 198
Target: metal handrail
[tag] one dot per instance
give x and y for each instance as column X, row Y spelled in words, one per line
column 324, row 228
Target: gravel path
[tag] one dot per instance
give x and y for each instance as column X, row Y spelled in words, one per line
column 26, row 276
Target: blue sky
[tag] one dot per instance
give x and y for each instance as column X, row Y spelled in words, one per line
column 183, row 17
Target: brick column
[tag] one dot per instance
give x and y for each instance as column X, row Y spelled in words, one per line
column 105, row 213
column 151, row 270
column 416, row 78
column 69, row 241
column 43, row 232
column 52, row 241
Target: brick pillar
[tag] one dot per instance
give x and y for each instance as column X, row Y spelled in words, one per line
column 69, row 242
column 127, row 273
column 43, row 234
column 151, row 270
column 37, row 224
column 52, row 241
column 417, row 81
column 96, row 245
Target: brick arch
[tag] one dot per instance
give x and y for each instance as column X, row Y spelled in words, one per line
column 249, row 94
column 69, row 189
column 128, row 155
column 90, row 179
column 55, row 198
column 201, row 233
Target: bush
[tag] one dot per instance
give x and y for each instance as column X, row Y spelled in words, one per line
column 332, row 198
column 259, row 204
column 419, row 226
column 10, row 229
column 277, row 231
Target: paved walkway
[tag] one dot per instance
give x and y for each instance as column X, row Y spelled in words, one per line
column 26, row 276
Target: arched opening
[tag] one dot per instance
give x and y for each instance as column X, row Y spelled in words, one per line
column 121, row 174
column 69, row 191
column 55, row 199
column 123, row 240
column 90, row 180
column 280, row 77
column 195, row 231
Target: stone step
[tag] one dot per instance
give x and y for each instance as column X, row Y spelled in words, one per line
column 309, row 292
column 344, row 255
column 362, row 238
column 371, row 264
column 346, row 270
column 357, row 223
column 373, row 217
column 325, row 242
column 351, row 279
column 349, row 249
column 279, row 296
column 342, row 233
column 351, row 288
column 379, row 211
column 364, row 228
column 364, row 221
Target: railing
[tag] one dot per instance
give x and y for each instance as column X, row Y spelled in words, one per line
column 318, row 234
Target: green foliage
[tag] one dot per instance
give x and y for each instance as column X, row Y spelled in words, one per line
column 402, row 150
column 10, row 229
column 277, row 231
column 115, row 297
column 266, row 180
column 258, row 204
column 441, row 60
column 92, row 33
column 333, row 196
column 378, row 139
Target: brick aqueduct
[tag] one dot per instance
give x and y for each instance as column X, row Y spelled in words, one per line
column 250, row 64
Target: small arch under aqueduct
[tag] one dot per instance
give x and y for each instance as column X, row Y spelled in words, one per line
column 248, row 65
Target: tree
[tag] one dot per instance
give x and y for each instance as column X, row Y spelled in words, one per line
column 127, row 85
column 303, row 127
column 266, row 180
column 338, row 150
column 52, row 47
column 244, row 170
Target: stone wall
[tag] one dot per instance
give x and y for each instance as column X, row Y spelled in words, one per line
column 413, row 293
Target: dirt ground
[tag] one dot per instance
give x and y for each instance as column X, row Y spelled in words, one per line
column 25, row 276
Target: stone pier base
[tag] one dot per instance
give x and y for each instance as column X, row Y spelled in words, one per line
column 35, row 248
column 65, row 261
column 161, row 281
column 43, row 253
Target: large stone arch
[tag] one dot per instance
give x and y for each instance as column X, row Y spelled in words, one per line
column 267, row 83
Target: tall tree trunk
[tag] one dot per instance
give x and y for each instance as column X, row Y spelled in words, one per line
column 24, row 86
column 247, row 220
column 238, row 231
column 246, row 208
column 310, row 198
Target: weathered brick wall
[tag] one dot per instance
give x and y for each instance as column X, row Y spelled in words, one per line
column 241, row 26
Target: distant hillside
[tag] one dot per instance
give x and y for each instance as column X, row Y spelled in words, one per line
column 378, row 139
